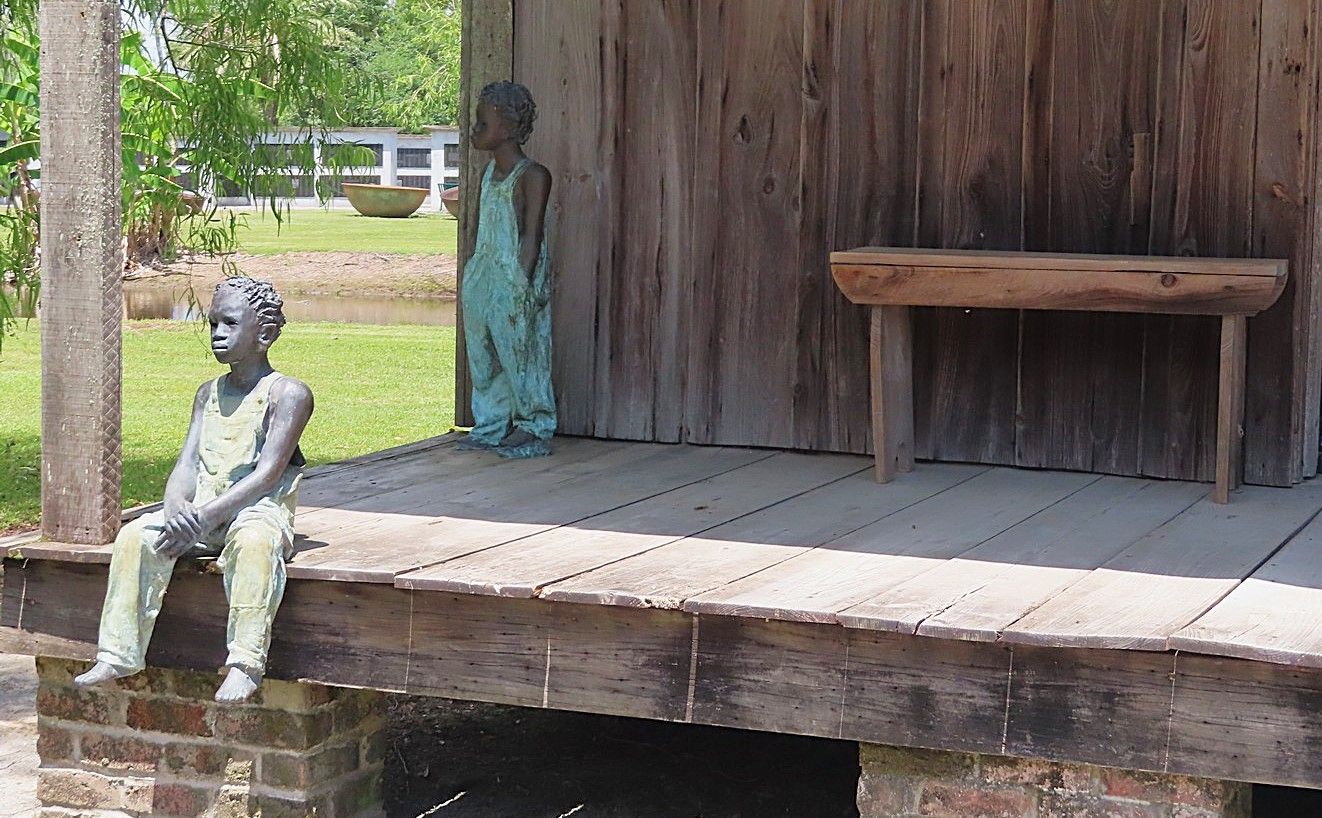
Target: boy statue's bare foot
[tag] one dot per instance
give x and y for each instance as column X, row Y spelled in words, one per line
column 472, row 444
column 100, row 673
column 238, row 686
column 517, row 438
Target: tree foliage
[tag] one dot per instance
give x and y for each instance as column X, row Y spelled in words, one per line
column 404, row 59
column 200, row 91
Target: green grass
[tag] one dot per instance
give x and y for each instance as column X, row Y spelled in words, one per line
column 317, row 230
column 375, row 387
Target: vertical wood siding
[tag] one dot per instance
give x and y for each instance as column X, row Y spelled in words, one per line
column 709, row 154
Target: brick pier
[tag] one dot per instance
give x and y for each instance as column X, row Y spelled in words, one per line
column 897, row 782
column 157, row 745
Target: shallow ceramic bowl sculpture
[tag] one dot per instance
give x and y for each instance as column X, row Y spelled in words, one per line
column 386, row 201
column 450, row 198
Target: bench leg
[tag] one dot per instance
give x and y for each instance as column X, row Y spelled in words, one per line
column 891, row 351
column 1230, row 408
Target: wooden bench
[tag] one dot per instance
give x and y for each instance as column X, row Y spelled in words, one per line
column 891, row 280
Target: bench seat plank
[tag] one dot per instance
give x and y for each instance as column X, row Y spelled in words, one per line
column 1016, row 260
column 1180, row 293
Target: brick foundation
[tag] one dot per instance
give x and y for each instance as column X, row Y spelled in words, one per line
column 897, row 783
column 157, row 745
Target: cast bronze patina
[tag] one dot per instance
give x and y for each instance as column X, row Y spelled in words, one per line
column 231, row 495
column 506, row 289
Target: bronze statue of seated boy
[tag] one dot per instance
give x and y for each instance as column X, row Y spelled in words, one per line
column 232, row 495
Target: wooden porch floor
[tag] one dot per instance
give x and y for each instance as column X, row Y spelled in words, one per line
column 960, row 552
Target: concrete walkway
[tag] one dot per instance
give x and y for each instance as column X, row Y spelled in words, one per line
column 18, row 737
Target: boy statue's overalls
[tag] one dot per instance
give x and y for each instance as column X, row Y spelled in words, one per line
column 244, row 509
column 507, row 288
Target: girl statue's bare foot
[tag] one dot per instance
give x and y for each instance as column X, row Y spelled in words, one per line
column 100, row 673
column 238, row 686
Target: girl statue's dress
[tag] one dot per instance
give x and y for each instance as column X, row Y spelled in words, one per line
column 507, row 326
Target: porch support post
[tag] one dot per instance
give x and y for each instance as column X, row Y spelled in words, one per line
column 81, row 270
column 487, row 56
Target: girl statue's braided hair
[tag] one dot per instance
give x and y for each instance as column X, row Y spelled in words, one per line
column 261, row 295
column 515, row 104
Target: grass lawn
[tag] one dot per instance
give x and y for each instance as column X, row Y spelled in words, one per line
column 375, row 387
column 317, row 230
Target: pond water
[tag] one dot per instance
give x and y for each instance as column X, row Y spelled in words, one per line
column 154, row 302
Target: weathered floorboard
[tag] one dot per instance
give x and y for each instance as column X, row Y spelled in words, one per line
column 816, row 585
column 666, row 576
column 524, row 567
column 1273, row 615
column 992, row 585
column 1166, row 580
column 370, row 546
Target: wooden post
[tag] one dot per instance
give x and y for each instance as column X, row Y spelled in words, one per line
column 487, row 55
column 81, row 270
column 891, row 351
column 1230, row 408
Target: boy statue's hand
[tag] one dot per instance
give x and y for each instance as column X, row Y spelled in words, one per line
column 184, row 527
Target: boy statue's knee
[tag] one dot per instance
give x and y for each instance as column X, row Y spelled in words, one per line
column 256, row 540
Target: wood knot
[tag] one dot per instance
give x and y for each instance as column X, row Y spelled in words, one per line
column 743, row 134
column 769, row 185
column 1168, row 279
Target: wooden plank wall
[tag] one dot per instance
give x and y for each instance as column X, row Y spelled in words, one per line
column 710, row 153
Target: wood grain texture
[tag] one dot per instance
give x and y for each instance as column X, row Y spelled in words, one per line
column 368, row 545
column 744, row 374
column 1081, row 705
column 1143, row 595
column 973, row 92
column 643, row 294
column 1063, row 260
column 1311, row 311
column 876, row 119
column 555, row 42
column 666, row 576
column 524, row 567
column 1272, row 615
column 1280, row 340
column 1230, row 408
column 1112, row 291
column 81, row 271
column 890, row 351
column 1088, row 123
column 817, row 585
column 990, row 586
column 1194, row 715
column 486, row 55
column 1202, row 205
column 1268, row 717
column 944, row 124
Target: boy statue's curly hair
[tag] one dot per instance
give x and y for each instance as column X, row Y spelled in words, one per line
column 261, row 295
column 514, row 102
